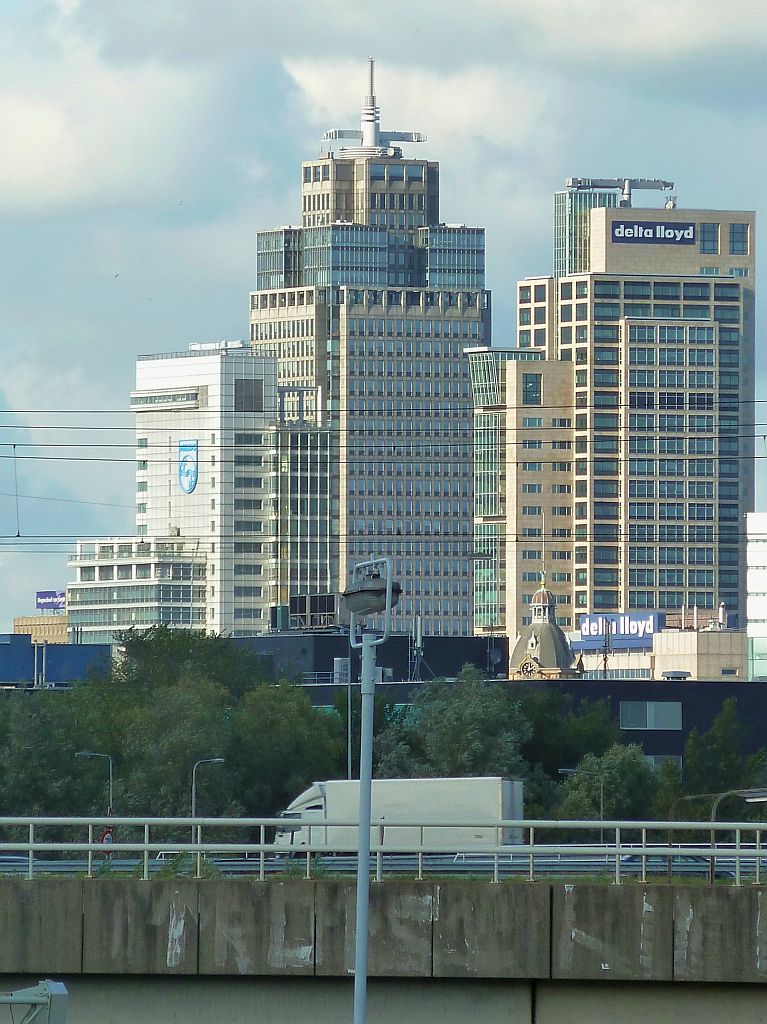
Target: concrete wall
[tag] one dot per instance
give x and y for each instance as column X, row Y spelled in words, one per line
column 420, row 930
column 189, row 951
column 110, row 999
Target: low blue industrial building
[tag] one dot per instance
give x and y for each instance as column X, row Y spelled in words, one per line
column 24, row 663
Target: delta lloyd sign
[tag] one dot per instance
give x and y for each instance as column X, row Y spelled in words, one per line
column 627, row 629
column 652, row 232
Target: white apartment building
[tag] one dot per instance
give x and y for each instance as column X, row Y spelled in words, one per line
column 231, row 506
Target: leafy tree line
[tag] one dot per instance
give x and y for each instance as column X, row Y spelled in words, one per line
column 173, row 698
column 470, row 727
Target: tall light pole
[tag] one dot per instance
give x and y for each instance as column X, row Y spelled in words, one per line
column 203, row 760
column 108, row 757
column 372, row 591
column 595, row 775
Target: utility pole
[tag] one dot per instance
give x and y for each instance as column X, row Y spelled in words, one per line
column 606, row 647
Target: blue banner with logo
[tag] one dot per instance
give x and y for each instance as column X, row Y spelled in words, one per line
column 627, row 630
column 187, row 466
column 653, row 232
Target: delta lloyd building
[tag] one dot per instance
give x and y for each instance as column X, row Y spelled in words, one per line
column 615, row 444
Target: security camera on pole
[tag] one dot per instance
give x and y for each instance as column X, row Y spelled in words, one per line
column 372, row 592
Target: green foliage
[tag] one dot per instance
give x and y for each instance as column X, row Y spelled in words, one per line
column 184, row 865
column 468, row 727
column 563, row 729
column 715, row 760
column 280, row 745
column 384, row 712
column 173, row 699
column 669, row 790
column 162, row 656
column 629, row 785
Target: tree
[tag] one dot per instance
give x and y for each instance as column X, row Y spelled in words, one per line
column 384, row 713
column 562, row 729
column 669, row 791
column 40, row 775
column 466, row 727
column 280, row 745
column 163, row 735
column 716, row 760
column 162, row 656
column 628, row 783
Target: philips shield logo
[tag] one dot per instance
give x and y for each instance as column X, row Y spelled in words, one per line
column 650, row 232
column 187, row 466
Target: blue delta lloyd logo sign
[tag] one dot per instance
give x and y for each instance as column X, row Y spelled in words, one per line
column 627, row 630
column 652, row 232
column 187, row 466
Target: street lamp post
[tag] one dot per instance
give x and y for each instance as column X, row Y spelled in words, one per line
column 372, row 591
column 107, row 757
column 751, row 796
column 595, row 775
column 204, row 760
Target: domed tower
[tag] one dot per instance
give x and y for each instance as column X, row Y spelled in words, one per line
column 542, row 649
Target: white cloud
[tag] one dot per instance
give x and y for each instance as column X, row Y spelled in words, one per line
column 77, row 131
column 501, row 31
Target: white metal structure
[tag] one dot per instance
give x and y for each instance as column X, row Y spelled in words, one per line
column 47, row 1002
column 626, row 185
column 372, row 591
column 742, row 844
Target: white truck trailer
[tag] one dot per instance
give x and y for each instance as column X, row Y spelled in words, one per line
column 442, row 814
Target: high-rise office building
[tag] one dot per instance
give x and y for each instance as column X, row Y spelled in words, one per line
column 523, row 490
column 646, row 363
column 371, row 301
column 756, row 552
column 660, row 337
column 572, row 209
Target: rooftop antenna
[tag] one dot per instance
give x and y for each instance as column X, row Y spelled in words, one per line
column 370, row 119
column 371, row 141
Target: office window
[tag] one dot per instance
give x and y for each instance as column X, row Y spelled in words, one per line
column 671, row 334
column 651, row 714
column 636, row 290
column 532, row 389
column 248, row 395
column 602, row 311
column 644, row 356
column 738, row 239
column 709, row 238
column 642, row 556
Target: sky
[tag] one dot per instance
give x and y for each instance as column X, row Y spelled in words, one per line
column 144, row 144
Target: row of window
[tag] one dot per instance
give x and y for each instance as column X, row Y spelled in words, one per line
column 359, row 327
column 681, row 357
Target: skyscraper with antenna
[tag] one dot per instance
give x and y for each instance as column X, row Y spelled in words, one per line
column 371, row 301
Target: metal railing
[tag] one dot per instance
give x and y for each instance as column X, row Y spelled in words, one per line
column 737, row 851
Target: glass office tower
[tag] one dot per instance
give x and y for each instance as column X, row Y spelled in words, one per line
column 372, row 300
